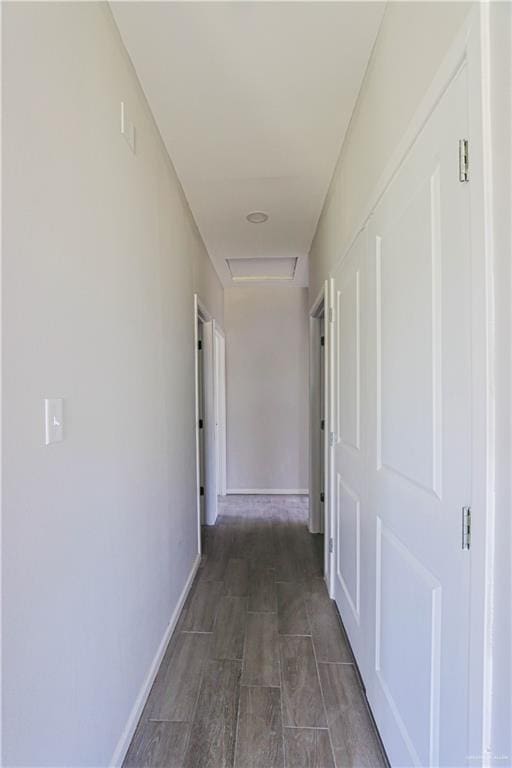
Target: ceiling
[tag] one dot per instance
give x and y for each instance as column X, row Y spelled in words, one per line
column 252, row 100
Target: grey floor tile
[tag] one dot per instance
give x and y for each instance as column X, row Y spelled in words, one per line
column 260, row 730
column 292, row 618
column 213, row 568
column 158, row 745
column 286, row 564
column 174, row 692
column 261, row 654
column 213, row 732
column 262, row 551
column 257, row 542
column 302, row 697
column 328, row 636
column 308, row 748
column 236, row 579
column 200, row 614
column 353, row 737
column 229, row 631
column 262, row 588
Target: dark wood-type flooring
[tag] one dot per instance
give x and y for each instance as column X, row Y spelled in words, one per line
column 258, row 673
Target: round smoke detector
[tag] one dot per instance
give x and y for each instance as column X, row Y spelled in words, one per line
column 257, row 217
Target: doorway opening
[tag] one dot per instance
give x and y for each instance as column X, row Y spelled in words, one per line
column 318, row 425
column 210, row 415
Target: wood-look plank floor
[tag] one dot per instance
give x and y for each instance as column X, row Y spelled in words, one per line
column 258, row 673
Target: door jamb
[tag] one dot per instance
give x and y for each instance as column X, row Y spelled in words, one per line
column 319, row 520
column 220, row 414
column 200, row 313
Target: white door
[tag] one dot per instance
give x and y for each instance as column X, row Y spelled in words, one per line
column 321, row 447
column 200, row 419
column 419, row 432
column 349, row 502
column 210, row 430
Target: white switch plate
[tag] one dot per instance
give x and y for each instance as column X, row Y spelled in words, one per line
column 53, row 420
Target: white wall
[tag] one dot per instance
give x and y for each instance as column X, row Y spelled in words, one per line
column 267, row 397
column 412, row 41
column 99, row 255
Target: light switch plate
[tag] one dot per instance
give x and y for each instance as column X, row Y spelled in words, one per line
column 53, row 420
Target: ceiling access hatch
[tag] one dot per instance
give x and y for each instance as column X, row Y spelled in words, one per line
column 262, row 269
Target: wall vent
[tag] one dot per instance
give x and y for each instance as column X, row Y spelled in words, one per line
column 262, row 269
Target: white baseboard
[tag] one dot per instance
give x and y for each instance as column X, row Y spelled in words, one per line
column 140, row 701
column 268, row 491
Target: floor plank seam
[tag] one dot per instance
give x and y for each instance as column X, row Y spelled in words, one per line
column 235, row 749
column 294, row 634
column 285, row 761
column 323, row 701
column 194, row 711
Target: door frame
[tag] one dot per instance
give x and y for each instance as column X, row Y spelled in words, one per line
column 220, row 408
column 211, row 448
column 320, row 520
column 471, row 47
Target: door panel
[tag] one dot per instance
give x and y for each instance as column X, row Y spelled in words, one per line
column 408, row 343
column 401, row 459
column 419, row 421
column 210, row 429
column 350, row 486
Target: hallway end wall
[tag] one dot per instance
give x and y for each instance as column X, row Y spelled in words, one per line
column 100, row 252
column 267, row 337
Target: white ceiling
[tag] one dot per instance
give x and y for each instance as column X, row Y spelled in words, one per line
column 252, row 100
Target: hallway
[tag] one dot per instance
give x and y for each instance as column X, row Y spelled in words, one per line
column 258, row 672
column 256, row 384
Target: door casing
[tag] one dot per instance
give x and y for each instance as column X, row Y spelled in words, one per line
column 214, row 414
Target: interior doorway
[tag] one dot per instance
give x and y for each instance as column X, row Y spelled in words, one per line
column 318, row 421
column 220, row 409
column 210, row 415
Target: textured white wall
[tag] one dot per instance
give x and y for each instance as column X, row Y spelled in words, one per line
column 412, row 41
column 267, row 395
column 99, row 257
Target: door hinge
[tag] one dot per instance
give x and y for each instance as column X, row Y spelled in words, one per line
column 322, row 341
column 466, row 527
column 199, row 345
column 201, row 490
column 322, row 497
column 322, row 424
column 200, row 424
column 331, row 546
column 463, row 160
column 331, row 315
column 332, row 439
